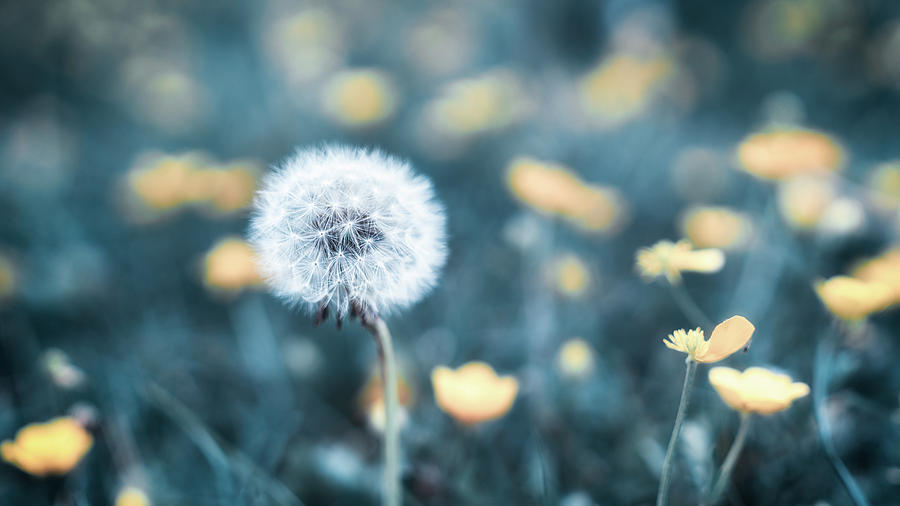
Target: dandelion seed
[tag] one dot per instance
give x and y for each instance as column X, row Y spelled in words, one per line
column 348, row 229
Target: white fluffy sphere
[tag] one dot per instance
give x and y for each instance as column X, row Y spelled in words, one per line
column 338, row 227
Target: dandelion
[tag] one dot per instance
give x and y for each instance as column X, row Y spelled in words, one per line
column 727, row 338
column 474, row 393
column 339, row 228
column 51, row 448
column 670, row 259
column 756, row 390
column 353, row 231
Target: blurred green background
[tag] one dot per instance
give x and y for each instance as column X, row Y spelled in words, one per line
column 132, row 135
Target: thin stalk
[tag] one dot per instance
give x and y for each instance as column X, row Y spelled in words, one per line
column 388, row 364
column 688, row 306
column 824, row 351
column 663, row 494
column 730, row 459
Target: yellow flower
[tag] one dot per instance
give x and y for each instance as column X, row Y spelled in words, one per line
column 670, row 259
column 371, row 401
column 132, row 496
column 360, row 97
column 230, row 266
column 804, row 200
column 728, row 337
column 785, row 152
column 575, row 358
column 622, row 87
column 756, row 390
column 473, row 393
column 884, row 181
column 54, row 447
column 884, row 268
column 7, row 278
column 570, row 275
column 556, row 190
column 854, row 299
column 716, row 227
column 484, row 103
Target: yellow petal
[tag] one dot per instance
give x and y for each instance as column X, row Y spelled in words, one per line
column 727, row 338
column 727, row 382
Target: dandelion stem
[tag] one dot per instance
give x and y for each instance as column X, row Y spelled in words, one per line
column 391, row 405
column 730, row 460
column 824, row 350
column 688, row 306
column 663, row 494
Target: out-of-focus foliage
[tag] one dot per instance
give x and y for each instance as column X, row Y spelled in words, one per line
column 562, row 137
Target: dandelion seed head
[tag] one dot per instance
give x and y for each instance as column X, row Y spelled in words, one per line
column 337, row 226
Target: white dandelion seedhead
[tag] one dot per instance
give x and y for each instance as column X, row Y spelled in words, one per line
column 345, row 228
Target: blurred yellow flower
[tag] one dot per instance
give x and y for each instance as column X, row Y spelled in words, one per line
column 305, row 44
column 622, row 86
column 570, row 275
column 804, row 200
column 232, row 187
column 473, row 393
column 716, row 227
column 785, row 152
column 164, row 183
column 53, row 447
column 669, row 259
column 230, row 266
column 854, row 299
column 884, row 181
column 756, row 390
column 132, row 496
column 7, row 278
column 371, row 400
column 359, row 97
column 470, row 106
column 160, row 183
column 884, row 268
column 556, row 190
column 575, row 358
column 727, row 338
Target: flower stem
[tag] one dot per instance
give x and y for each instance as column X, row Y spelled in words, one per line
column 730, row 460
column 688, row 306
column 382, row 335
column 821, row 370
column 663, row 494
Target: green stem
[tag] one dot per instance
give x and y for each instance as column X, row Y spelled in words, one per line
column 821, row 370
column 688, row 306
column 730, row 459
column 382, row 335
column 663, row 494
